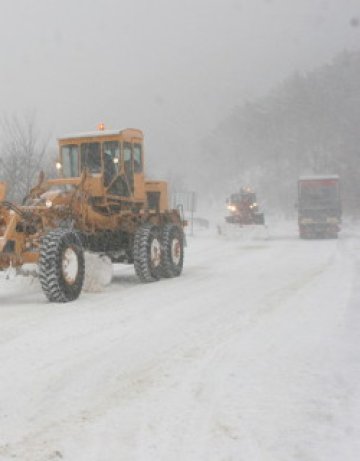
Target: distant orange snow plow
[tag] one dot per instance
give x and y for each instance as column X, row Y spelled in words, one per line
column 243, row 209
column 244, row 218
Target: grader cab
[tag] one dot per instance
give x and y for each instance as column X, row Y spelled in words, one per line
column 113, row 164
column 102, row 203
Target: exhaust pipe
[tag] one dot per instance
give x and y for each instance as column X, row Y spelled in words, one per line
column 3, row 188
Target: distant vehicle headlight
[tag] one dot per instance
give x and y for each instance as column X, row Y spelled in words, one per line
column 231, row 208
column 48, row 203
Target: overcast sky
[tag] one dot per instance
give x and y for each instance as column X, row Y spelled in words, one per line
column 173, row 68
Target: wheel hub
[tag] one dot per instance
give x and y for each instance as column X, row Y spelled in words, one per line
column 176, row 251
column 70, row 266
column 155, row 253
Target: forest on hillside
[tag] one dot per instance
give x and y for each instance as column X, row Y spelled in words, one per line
column 309, row 124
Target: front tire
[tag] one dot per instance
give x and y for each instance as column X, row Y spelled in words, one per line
column 61, row 266
column 173, row 251
column 147, row 253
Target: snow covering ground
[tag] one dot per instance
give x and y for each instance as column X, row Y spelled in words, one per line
column 253, row 354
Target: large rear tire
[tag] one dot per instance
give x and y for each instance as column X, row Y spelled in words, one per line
column 147, row 253
column 61, row 266
column 173, row 251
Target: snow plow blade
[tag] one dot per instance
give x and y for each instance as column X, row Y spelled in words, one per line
column 245, row 232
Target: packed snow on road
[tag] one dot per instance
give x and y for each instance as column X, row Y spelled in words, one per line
column 251, row 355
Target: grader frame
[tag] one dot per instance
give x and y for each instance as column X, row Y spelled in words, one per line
column 101, row 202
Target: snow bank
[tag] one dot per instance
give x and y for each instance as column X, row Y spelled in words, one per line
column 98, row 272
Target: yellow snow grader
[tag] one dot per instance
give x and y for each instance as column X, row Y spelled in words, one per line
column 101, row 203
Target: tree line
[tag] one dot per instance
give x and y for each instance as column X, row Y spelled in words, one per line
column 307, row 125
column 23, row 154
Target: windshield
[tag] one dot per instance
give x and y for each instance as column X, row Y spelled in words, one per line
column 111, row 153
column 90, row 157
column 248, row 197
column 70, row 161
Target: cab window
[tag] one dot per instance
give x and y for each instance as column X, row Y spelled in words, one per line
column 90, row 157
column 137, row 158
column 111, row 153
column 70, row 161
column 112, row 149
column 128, row 165
column 127, row 157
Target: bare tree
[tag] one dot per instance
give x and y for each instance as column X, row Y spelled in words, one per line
column 22, row 153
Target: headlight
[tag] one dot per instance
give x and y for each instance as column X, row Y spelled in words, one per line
column 231, row 207
column 48, row 203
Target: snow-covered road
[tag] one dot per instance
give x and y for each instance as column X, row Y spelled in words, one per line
column 252, row 354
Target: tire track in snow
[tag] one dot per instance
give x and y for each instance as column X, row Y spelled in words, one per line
column 211, row 328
